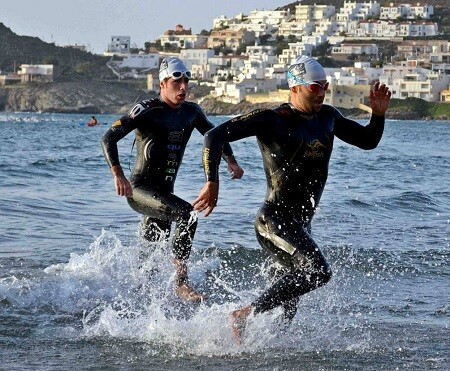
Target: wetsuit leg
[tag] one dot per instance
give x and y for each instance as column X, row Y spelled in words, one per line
column 290, row 243
column 166, row 208
column 154, row 230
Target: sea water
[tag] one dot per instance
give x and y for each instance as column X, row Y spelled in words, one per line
column 74, row 292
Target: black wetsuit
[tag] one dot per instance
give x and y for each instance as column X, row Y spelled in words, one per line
column 162, row 134
column 296, row 150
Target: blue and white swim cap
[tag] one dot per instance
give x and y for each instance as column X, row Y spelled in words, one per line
column 305, row 69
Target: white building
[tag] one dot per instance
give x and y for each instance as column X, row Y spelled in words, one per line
column 140, row 61
column 119, row 45
column 355, row 49
column 440, row 62
column 311, row 13
column 410, row 81
column 353, row 11
column 417, row 29
column 229, row 93
column 182, row 38
column 36, row 72
column 297, row 29
column 408, row 11
column 270, row 17
column 196, row 56
column 265, row 54
column 288, row 56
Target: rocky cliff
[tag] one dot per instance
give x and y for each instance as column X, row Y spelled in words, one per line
column 116, row 97
column 70, row 97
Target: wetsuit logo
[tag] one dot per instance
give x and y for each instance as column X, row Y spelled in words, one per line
column 315, row 149
column 175, row 136
column 116, row 126
column 248, row 115
column 137, row 110
column 172, row 157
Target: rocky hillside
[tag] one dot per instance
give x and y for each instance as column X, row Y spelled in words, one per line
column 71, row 97
column 69, row 63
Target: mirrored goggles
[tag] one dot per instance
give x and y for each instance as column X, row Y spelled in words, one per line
column 176, row 75
column 314, row 86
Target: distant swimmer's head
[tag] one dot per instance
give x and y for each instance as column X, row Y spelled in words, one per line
column 173, row 80
column 173, row 67
column 305, row 70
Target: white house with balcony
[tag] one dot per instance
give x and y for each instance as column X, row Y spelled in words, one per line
column 36, row 72
column 377, row 28
column 415, row 29
column 119, row 45
column 296, row 28
column 353, row 11
column 264, row 54
column 312, row 13
column 140, row 61
column 440, row 62
column 196, row 56
column 288, row 56
column 407, row 11
column 271, row 17
column 228, row 92
column 409, row 81
column 182, row 38
column 347, row 49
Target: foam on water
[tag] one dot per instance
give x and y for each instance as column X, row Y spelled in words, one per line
column 108, row 292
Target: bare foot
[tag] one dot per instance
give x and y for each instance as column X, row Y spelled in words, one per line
column 184, row 291
column 237, row 321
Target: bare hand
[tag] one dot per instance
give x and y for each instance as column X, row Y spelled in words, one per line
column 236, row 171
column 207, row 199
column 380, row 96
column 123, row 186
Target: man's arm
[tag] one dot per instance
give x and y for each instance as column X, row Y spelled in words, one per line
column 365, row 137
column 230, row 131
column 111, row 153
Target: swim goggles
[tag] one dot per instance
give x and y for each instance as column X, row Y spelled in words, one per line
column 176, row 75
column 314, row 86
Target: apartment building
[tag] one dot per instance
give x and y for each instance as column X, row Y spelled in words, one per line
column 230, row 38
column 182, row 38
column 353, row 11
column 312, row 13
column 119, row 45
column 196, row 56
column 347, row 49
column 407, row 81
column 407, row 11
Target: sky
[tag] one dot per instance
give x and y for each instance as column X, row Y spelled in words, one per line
column 93, row 22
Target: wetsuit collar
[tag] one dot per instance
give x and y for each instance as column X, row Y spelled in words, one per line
column 308, row 116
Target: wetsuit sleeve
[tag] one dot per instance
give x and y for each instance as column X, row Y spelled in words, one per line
column 252, row 124
column 118, row 130
column 351, row 132
column 203, row 125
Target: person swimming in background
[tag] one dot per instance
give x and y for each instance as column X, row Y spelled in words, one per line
column 163, row 127
column 93, row 121
column 296, row 141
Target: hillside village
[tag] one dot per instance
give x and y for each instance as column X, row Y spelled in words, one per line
column 245, row 58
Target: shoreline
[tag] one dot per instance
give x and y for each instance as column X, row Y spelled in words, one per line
column 107, row 97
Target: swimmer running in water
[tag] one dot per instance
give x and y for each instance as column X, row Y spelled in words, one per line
column 162, row 128
column 296, row 141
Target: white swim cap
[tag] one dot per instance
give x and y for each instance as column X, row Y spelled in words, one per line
column 305, row 69
column 173, row 67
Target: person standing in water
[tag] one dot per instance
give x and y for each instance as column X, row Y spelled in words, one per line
column 296, row 141
column 162, row 128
